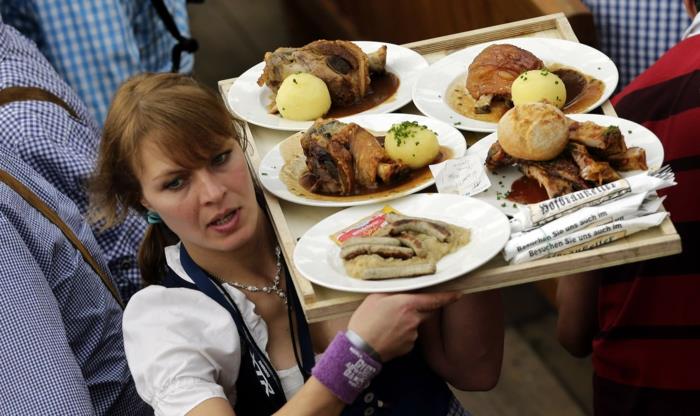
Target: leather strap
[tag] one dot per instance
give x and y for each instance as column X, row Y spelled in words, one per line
column 45, row 210
column 12, row 94
column 183, row 44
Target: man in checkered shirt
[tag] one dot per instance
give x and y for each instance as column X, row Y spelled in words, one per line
column 60, row 328
column 60, row 147
column 95, row 45
column 634, row 33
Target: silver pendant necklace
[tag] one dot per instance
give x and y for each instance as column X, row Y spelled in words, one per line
column 274, row 288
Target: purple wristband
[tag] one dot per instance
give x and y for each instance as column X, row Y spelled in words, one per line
column 344, row 369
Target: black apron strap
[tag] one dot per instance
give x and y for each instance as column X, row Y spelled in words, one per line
column 268, row 392
column 308, row 358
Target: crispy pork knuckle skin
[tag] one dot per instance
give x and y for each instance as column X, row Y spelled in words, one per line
column 341, row 158
column 494, row 69
column 342, row 65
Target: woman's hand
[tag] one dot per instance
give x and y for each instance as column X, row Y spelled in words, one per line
column 389, row 323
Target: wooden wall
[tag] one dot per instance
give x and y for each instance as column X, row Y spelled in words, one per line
column 402, row 21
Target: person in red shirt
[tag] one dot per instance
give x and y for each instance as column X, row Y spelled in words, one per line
column 641, row 322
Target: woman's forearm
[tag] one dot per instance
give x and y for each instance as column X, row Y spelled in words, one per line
column 312, row 399
column 577, row 300
column 464, row 341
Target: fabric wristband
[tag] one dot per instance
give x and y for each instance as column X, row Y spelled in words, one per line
column 360, row 343
column 345, row 369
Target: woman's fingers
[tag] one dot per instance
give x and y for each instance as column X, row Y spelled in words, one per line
column 429, row 302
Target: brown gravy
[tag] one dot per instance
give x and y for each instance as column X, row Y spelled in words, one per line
column 413, row 179
column 459, row 99
column 382, row 87
column 525, row 190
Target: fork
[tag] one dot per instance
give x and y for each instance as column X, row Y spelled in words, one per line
column 665, row 173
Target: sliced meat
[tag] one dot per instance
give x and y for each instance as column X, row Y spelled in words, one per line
column 558, row 177
column 591, row 169
column 635, row 158
column 498, row 158
column 606, row 140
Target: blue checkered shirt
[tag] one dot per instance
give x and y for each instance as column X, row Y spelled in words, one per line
column 61, row 344
column 635, row 33
column 97, row 44
column 61, row 148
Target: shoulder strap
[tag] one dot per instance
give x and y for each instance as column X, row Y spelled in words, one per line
column 12, row 94
column 51, row 215
column 183, row 44
column 271, row 391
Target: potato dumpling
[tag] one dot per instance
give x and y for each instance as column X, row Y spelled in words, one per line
column 538, row 85
column 412, row 144
column 303, row 97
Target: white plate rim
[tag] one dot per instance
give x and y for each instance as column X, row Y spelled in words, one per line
column 487, row 240
column 640, row 136
column 271, row 164
column 246, row 98
column 431, row 87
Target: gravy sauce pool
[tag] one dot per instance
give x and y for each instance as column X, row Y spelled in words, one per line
column 525, row 190
column 459, row 99
column 382, row 86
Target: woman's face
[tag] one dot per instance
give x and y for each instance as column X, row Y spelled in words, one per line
column 212, row 207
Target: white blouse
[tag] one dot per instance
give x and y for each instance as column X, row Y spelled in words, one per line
column 183, row 347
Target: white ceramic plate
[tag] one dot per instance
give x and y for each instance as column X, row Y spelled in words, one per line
column 430, row 90
column 271, row 165
column 317, row 257
column 249, row 100
column 635, row 135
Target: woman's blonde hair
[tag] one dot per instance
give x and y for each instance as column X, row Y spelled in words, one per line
column 186, row 120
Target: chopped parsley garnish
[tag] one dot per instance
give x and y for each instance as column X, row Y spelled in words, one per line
column 405, row 130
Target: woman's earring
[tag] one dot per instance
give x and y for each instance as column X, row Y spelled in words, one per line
column 152, row 217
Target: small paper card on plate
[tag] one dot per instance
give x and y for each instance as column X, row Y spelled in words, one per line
column 462, row 176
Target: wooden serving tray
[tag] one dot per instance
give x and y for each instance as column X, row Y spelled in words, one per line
column 292, row 220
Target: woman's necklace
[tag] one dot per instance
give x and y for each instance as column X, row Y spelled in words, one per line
column 274, row 288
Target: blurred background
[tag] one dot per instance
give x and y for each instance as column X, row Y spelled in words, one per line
column 235, row 34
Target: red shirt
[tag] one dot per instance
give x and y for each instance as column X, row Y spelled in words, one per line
column 647, row 354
